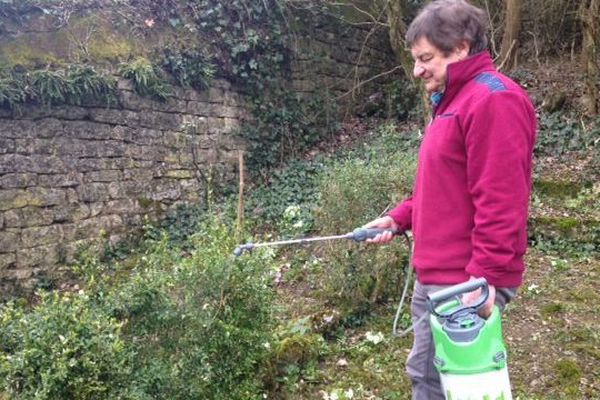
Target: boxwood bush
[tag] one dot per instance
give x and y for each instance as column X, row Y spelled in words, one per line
column 353, row 191
column 158, row 326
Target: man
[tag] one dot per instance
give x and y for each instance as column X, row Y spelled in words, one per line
column 468, row 210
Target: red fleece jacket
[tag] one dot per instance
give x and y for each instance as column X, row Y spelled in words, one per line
column 468, row 210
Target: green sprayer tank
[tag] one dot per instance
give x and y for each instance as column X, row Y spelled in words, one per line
column 469, row 351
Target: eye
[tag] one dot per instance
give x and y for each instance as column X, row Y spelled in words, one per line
column 425, row 57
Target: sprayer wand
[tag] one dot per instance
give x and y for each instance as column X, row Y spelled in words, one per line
column 358, row 235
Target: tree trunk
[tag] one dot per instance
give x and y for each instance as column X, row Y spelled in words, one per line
column 510, row 39
column 590, row 16
column 397, row 32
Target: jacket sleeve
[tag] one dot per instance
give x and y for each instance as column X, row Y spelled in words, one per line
column 402, row 214
column 499, row 137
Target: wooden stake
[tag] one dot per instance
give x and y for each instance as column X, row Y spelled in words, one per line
column 240, row 209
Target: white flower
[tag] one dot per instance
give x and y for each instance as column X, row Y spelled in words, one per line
column 533, row 288
column 374, row 338
column 349, row 393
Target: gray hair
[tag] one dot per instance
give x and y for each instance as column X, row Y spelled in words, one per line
column 446, row 23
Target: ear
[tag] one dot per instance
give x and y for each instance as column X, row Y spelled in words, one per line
column 462, row 49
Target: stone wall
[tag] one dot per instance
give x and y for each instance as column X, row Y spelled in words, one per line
column 69, row 175
column 333, row 60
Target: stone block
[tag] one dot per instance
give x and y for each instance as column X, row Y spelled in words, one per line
column 95, row 164
column 96, row 209
column 70, row 179
column 48, row 127
column 69, row 213
column 141, row 152
column 7, row 145
column 7, row 260
column 166, row 190
column 40, row 236
column 18, row 274
column 103, row 149
column 72, row 196
column 133, row 101
column 229, row 111
column 146, row 136
column 176, row 140
column 37, row 256
column 93, row 192
column 97, row 226
column 216, row 94
column 9, row 240
column 103, row 176
column 198, row 108
column 19, row 163
column 87, row 130
column 32, row 146
column 15, row 128
column 233, row 99
column 138, row 174
column 162, row 120
column 127, row 189
column 42, row 197
column 27, row 217
column 194, row 125
column 110, row 117
column 172, row 105
column 123, row 206
column 179, row 174
column 13, row 198
column 17, row 180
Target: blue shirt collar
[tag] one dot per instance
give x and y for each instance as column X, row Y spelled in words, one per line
column 436, row 98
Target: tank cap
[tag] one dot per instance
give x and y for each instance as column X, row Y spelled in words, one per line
column 463, row 327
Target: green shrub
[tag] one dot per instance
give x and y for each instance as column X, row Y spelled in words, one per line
column 12, row 92
column 158, row 326
column 200, row 324
column 90, row 86
column 63, row 348
column 285, row 126
column 353, row 192
column 76, row 85
column 190, row 67
column 560, row 133
column 146, row 78
column 401, row 100
column 51, row 87
column 292, row 186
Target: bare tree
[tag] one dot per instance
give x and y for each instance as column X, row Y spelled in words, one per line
column 510, row 40
column 589, row 14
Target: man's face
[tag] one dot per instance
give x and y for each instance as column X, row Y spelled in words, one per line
column 431, row 63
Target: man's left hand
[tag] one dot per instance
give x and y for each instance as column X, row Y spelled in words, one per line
column 471, row 298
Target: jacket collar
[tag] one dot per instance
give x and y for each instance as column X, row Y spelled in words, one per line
column 461, row 72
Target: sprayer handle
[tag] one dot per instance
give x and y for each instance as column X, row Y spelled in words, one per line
column 362, row 234
column 434, row 299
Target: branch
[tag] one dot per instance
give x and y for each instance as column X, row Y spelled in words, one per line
column 508, row 54
column 360, row 10
column 397, row 67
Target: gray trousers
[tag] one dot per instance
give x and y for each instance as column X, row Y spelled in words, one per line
column 419, row 366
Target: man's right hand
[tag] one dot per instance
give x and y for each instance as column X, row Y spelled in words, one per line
column 385, row 223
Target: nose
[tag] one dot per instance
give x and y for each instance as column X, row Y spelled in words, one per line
column 418, row 70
